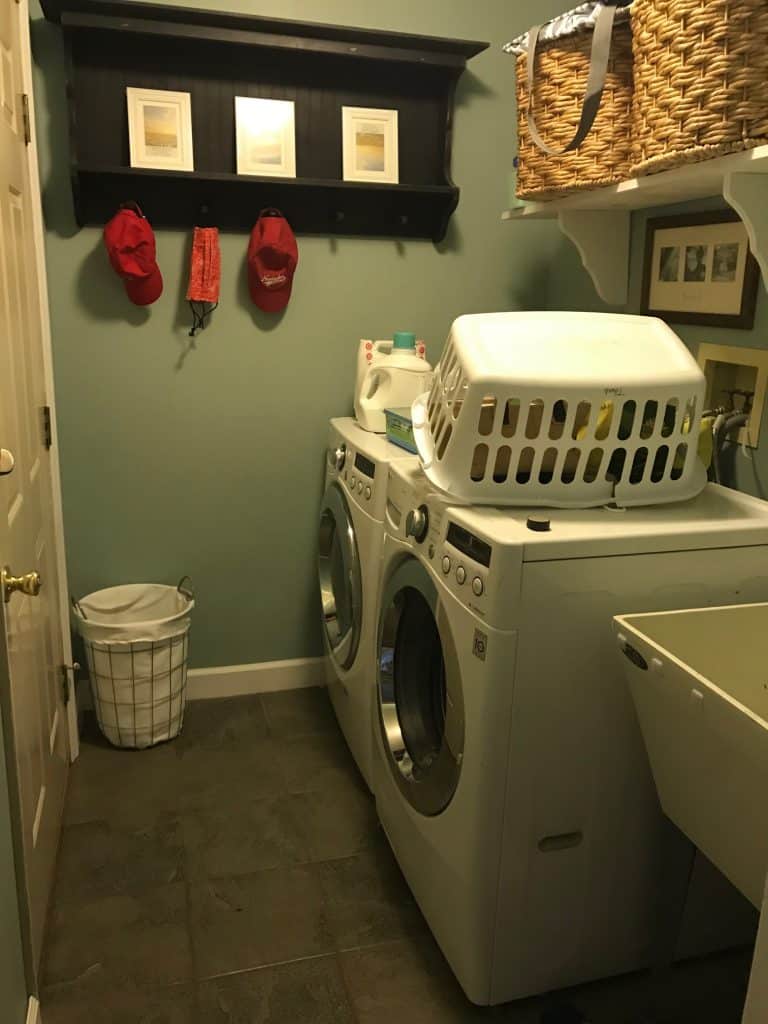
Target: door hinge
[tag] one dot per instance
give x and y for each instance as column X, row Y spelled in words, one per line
column 65, row 670
column 47, row 429
column 25, row 118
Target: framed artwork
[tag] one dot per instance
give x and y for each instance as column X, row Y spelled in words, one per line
column 370, row 144
column 160, row 129
column 265, row 131
column 698, row 269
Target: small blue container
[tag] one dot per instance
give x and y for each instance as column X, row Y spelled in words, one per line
column 400, row 429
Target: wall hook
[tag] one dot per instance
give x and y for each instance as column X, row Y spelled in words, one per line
column 204, row 216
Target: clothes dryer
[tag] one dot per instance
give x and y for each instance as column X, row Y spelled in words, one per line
column 509, row 770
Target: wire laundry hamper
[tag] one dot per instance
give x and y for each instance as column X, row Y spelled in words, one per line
column 568, row 410
column 136, row 639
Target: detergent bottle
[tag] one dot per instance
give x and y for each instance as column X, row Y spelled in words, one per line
column 390, row 374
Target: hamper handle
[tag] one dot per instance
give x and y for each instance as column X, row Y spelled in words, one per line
column 598, row 68
column 421, row 434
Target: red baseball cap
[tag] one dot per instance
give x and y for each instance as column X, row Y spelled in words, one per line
column 130, row 244
column 272, row 259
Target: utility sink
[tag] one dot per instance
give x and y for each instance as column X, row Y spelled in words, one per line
column 699, row 680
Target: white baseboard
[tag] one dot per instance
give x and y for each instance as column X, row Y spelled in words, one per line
column 33, row 1012
column 261, row 677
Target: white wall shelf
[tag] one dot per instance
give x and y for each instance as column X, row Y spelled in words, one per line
column 597, row 222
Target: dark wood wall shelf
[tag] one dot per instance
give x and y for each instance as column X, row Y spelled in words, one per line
column 112, row 44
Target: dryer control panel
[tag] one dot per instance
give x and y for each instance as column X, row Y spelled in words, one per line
column 481, row 569
column 471, row 553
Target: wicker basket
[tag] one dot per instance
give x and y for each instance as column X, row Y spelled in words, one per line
column 562, row 69
column 701, row 80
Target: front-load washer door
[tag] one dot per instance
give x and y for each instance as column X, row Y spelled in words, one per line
column 341, row 586
column 421, row 708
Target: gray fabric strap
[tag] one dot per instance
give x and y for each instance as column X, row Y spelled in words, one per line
column 598, row 68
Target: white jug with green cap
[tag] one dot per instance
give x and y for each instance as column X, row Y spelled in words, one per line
column 391, row 374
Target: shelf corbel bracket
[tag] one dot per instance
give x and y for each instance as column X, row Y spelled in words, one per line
column 747, row 194
column 602, row 239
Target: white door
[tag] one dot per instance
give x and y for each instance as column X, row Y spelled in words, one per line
column 28, row 535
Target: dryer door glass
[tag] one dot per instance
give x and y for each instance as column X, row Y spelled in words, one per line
column 340, row 578
column 421, row 710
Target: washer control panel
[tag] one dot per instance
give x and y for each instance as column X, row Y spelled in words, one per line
column 359, row 473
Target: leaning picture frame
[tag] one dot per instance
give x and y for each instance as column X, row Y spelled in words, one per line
column 265, row 137
column 160, row 129
column 370, row 144
column 698, row 269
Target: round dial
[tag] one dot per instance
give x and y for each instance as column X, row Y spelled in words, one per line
column 339, row 457
column 417, row 523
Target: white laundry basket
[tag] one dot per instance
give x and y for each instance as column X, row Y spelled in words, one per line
column 569, row 410
column 136, row 639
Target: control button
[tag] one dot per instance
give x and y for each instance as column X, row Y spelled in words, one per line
column 477, row 586
column 431, row 550
column 352, row 481
column 461, row 575
column 359, row 486
column 446, row 564
column 539, row 524
column 367, row 493
column 338, row 456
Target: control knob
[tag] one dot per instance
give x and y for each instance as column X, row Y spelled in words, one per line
column 338, row 456
column 417, row 523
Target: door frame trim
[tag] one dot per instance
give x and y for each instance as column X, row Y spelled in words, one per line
column 38, row 231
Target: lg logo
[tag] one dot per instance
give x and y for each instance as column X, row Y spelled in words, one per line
column 480, row 645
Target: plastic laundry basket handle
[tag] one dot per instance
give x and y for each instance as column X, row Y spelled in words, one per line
column 598, row 69
column 425, row 443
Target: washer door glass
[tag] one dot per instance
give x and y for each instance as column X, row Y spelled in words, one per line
column 340, row 579
column 421, row 710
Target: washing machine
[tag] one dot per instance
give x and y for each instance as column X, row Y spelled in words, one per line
column 349, row 560
column 509, row 770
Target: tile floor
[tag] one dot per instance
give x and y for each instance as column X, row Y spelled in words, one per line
column 238, row 874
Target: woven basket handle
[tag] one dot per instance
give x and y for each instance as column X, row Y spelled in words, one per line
column 598, row 68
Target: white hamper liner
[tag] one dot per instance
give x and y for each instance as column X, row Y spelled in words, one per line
column 137, row 640
column 569, row 410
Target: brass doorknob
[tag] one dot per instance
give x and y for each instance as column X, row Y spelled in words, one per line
column 30, row 583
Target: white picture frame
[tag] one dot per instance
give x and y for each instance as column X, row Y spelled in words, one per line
column 265, row 134
column 160, row 129
column 370, row 144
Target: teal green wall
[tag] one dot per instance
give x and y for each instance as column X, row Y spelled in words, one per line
column 209, row 460
column 744, row 468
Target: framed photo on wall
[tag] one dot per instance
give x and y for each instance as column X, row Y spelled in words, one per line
column 160, row 129
column 698, row 269
column 370, row 144
column 265, row 132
